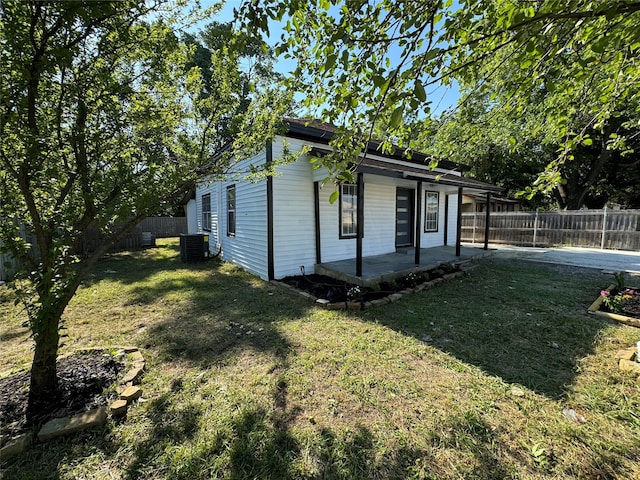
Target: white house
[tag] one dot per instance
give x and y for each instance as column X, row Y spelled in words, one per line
column 285, row 223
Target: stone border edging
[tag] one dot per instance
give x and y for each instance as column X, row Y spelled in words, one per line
column 595, row 309
column 352, row 305
column 127, row 391
column 628, row 362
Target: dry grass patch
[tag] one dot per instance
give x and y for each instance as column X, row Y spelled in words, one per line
column 246, row 380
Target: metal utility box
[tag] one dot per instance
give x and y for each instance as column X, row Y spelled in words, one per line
column 194, row 247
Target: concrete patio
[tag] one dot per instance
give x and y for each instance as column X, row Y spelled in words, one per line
column 379, row 268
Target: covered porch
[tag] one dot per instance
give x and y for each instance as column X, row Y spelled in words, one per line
column 419, row 230
column 381, row 268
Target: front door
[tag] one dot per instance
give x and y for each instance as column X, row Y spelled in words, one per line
column 404, row 217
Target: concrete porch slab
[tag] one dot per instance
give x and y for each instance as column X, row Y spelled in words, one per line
column 382, row 268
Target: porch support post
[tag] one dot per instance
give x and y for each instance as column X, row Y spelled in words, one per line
column 459, row 222
column 418, row 221
column 316, row 208
column 360, row 224
column 486, row 222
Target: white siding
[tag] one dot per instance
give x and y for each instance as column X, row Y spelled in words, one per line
column 432, row 239
column 294, row 217
column 379, row 221
column 453, row 219
column 191, row 212
column 211, row 188
column 294, row 243
column 248, row 248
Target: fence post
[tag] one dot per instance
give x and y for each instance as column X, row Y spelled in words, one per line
column 473, row 239
column 535, row 228
column 604, row 226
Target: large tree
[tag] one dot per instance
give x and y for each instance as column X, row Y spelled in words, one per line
column 511, row 142
column 101, row 124
column 362, row 61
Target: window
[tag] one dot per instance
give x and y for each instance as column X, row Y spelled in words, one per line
column 206, row 212
column 231, row 211
column 431, row 212
column 348, row 211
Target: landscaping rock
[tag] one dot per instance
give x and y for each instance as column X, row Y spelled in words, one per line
column 629, row 366
column 64, row 426
column 627, row 353
column 571, row 414
column 132, row 375
column 130, row 394
column 130, row 349
column 322, row 301
column 16, row 446
column 449, row 276
column 437, row 280
column 307, row 295
column 137, row 357
column 394, row 297
column 118, row 408
column 335, row 306
column 354, row 306
column 517, row 392
column 380, row 301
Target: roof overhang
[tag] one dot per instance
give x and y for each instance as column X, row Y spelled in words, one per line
column 395, row 170
column 321, row 132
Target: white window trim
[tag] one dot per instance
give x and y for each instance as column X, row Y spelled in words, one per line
column 431, row 214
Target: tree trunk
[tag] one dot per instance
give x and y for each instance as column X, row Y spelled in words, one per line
column 43, row 388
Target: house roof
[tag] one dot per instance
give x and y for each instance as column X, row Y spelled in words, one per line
column 322, row 132
column 429, row 176
column 422, row 173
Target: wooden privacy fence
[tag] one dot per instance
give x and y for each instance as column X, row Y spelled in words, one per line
column 163, row 227
column 160, row 227
column 606, row 229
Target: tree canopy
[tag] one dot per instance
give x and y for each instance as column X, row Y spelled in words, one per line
column 373, row 66
column 103, row 122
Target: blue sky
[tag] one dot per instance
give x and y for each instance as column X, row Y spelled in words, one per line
column 442, row 97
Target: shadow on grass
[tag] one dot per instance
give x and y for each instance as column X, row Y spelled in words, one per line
column 259, row 442
column 521, row 321
column 207, row 310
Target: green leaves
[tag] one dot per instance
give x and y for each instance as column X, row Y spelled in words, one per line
column 419, row 92
column 396, row 117
column 113, row 117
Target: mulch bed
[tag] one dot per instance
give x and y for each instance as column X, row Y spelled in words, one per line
column 82, row 381
column 334, row 290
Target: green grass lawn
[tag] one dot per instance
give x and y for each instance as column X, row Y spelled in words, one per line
column 248, row 380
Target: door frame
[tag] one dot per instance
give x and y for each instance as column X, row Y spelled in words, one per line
column 411, row 216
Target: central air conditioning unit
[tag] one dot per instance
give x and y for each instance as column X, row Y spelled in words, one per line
column 194, row 247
